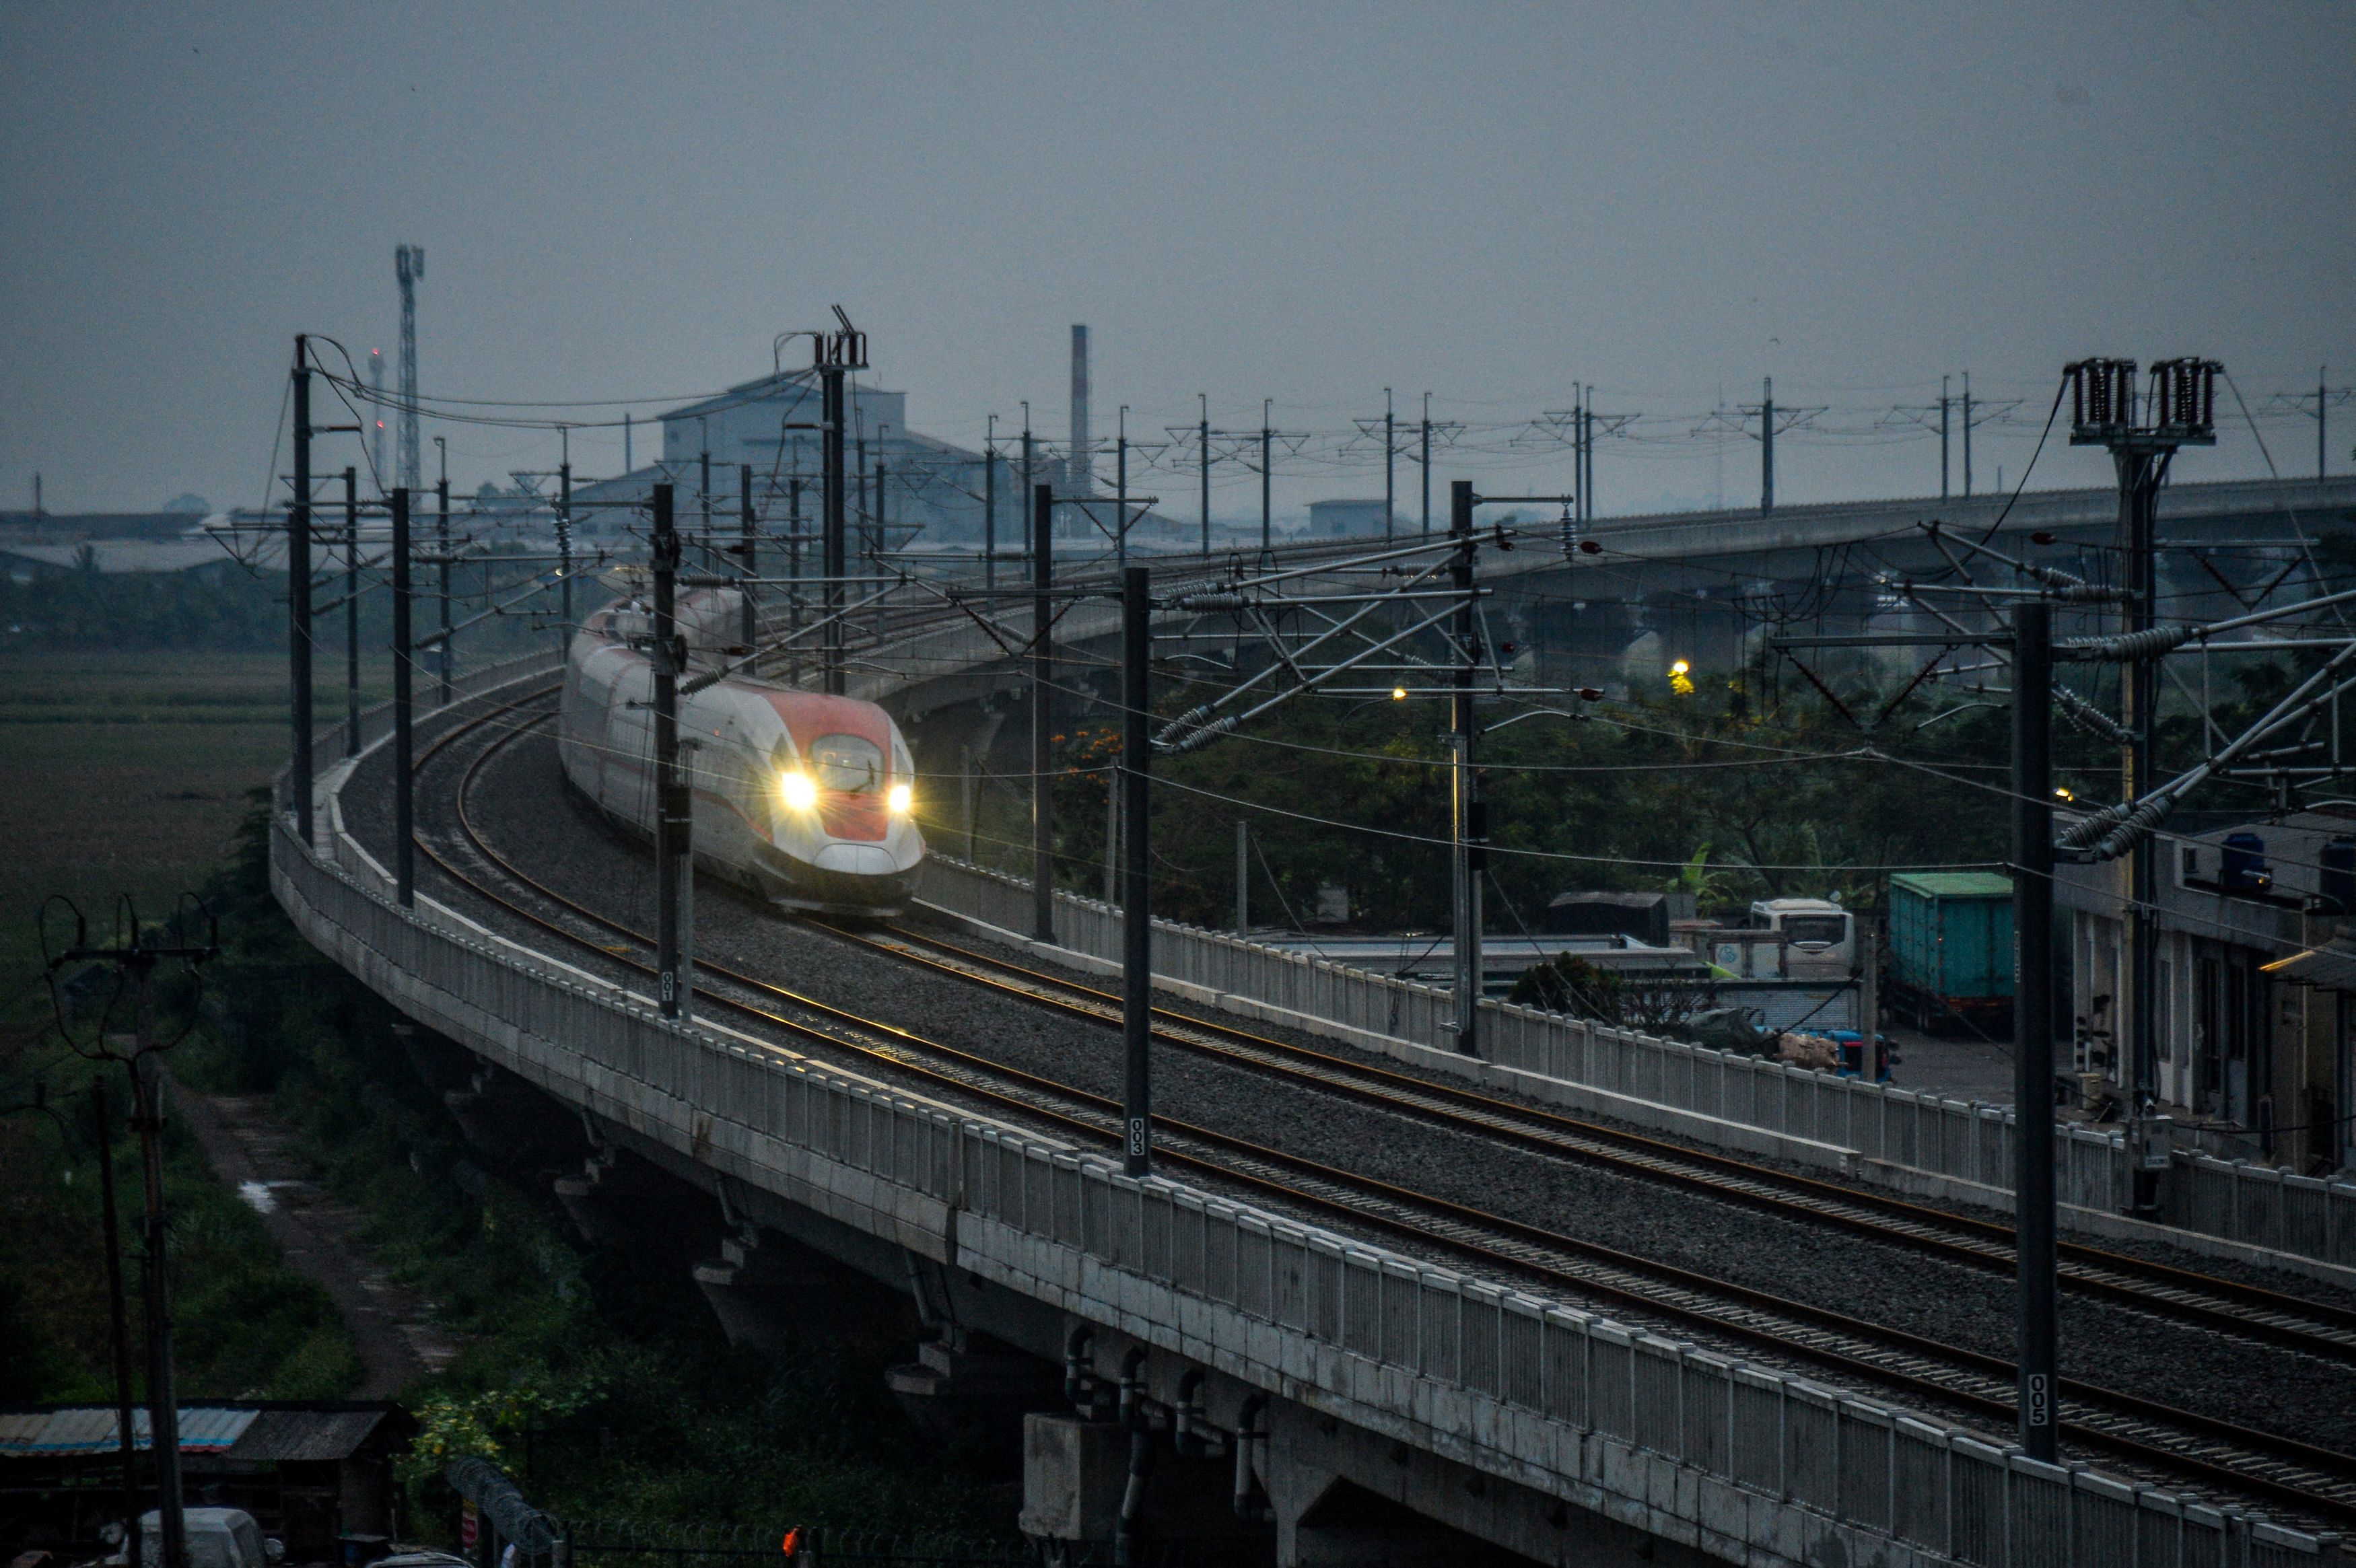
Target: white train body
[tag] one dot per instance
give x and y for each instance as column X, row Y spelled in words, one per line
column 806, row 798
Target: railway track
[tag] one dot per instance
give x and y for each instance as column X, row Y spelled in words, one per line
column 2227, row 1306
column 2319, row 1483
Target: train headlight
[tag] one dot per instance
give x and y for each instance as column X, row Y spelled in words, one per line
column 900, row 797
column 799, row 790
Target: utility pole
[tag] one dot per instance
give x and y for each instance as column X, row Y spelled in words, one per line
column 838, row 353
column 877, row 542
column 1137, row 913
column 1042, row 678
column 351, row 611
column 2032, row 1026
column 794, row 570
column 1243, row 876
column 866, row 518
column 163, row 1390
column 751, row 544
column 1203, row 454
column 1967, row 435
column 1772, row 421
column 442, row 555
column 136, row 960
column 298, row 590
column 2142, row 441
column 126, row 1444
column 376, row 434
column 1579, row 437
column 404, row 820
column 2324, row 395
column 1468, row 815
column 990, row 506
column 1120, row 491
column 409, row 266
column 1585, row 474
column 1266, row 471
column 1390, row 456
column 1427, row 465
column 1030, row 484
column 674, row 820
column 564, row 535
column 1943, row 438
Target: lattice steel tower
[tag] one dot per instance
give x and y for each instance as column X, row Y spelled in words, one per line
column 409, row 265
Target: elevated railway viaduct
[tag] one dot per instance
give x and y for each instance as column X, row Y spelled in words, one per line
column 1292, row 1363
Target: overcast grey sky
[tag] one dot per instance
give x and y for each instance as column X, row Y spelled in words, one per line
column 1303, row 202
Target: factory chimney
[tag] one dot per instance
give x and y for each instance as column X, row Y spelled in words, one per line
column 1078, row 465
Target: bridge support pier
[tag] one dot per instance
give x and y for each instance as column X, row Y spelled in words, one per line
column 740, row 1285
column 1348, row 1498
column 598, row 1200
column 1338, row 1495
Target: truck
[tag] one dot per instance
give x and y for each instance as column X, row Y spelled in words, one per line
column 215, row 1537
column 1951, row 951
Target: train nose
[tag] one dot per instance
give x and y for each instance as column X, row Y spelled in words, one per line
column 859, row 859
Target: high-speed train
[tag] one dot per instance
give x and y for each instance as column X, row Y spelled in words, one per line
column 805, row 798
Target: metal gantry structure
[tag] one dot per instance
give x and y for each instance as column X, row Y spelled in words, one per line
column 2143, row 417
column 1395, row 621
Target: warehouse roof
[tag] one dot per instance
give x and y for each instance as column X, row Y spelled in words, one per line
column 265, row 1431
column 1955, row 884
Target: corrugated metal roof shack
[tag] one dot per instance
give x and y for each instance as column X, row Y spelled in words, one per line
column 310, row 1471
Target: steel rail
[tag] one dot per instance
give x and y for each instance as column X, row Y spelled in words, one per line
column 2222, row 1306
column 2164, row 1438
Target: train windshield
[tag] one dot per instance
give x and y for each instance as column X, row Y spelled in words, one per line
column 1817, row 930
column 851, row 763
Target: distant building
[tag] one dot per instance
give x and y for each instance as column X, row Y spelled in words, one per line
column 34, row 545
column 1344, row 518
column 312, row 1472
column 2254, row 1021
column 932, row 491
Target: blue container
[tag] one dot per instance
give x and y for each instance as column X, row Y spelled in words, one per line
column 2244, row 869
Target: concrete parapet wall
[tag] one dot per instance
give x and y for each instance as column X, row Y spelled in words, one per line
column 1922, row 1143
column 1740, row 1463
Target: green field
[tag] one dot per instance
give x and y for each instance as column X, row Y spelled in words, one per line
column 128, row 773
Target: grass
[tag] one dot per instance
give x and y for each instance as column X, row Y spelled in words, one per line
column 128, row 773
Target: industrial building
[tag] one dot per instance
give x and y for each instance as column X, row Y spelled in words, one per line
column 1344, row 518
column 2252, row 1017
column 926, row 493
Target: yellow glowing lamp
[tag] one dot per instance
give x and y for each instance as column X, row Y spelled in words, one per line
column 900, row 797
column 798, row 790
column 1399, row 694
column 2061, row 794
column 1681, row 668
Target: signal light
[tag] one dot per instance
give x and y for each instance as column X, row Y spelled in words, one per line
column 2042, row 536
column 1589, row 694
column 1592, row 547
column 1399, row 694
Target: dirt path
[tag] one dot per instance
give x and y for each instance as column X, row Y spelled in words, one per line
column 255, row 1153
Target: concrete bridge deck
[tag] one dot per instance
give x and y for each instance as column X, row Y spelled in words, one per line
column 1344, row 1380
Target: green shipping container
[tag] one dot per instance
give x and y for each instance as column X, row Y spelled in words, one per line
column 1951, row 935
